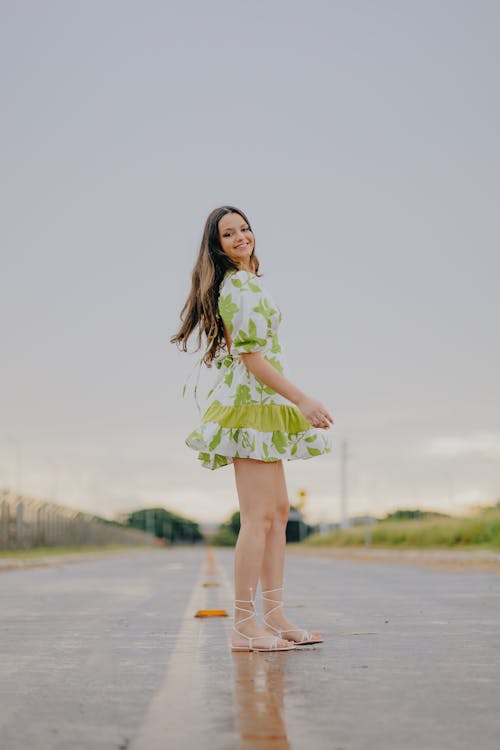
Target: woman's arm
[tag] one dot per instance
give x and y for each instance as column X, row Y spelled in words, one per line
column 313, row 410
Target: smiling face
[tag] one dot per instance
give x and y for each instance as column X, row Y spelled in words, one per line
column 236, row 239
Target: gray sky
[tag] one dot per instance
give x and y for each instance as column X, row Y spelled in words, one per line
column 362, row 140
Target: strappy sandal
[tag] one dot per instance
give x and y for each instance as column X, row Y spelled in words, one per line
column 251, row 646
column 307, row 638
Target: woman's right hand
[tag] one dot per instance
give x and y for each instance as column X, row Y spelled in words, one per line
column 315, row 412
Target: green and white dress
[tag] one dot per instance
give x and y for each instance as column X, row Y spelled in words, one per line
column 245, row 418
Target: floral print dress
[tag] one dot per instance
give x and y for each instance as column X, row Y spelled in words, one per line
column 245, row 418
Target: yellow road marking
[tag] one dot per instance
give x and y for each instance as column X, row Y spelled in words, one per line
column 167, row 719
column 211, row 613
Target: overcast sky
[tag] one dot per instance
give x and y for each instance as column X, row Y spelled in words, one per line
column 362, row 140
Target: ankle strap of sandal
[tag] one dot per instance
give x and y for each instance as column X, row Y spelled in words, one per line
column 277, row 604
column 251, row 612
column 270, row 591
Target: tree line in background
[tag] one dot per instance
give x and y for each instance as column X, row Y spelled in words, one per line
column 403, row 527
column 165, row 525
column 27, row 522
column 296, row 529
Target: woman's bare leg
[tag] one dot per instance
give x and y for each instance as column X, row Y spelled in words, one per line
column 256, row 483
column 273, row 562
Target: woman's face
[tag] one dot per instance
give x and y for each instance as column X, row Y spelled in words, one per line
column 236, row 239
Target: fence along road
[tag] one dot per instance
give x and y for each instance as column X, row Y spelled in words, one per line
column 27, row 522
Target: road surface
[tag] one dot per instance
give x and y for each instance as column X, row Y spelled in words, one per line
column 106, row 654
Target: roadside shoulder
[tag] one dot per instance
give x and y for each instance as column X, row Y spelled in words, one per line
column 451, row 559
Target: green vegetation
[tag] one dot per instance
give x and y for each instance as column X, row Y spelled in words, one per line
column 399, row 515
column 227, row 533
column 165, row 524
column 425, row 530
column 54, row 551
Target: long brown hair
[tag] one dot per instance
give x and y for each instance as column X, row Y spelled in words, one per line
column 200, row 309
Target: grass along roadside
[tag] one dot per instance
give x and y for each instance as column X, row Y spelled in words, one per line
column 468, row 532
column 39, row 552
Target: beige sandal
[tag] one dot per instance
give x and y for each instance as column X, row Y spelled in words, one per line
column 251, row 647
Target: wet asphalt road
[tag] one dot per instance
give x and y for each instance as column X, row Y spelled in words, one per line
column 106, row 654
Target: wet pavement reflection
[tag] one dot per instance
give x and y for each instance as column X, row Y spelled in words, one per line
column 259, row 694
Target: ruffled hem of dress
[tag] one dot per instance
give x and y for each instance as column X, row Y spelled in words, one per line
column 217, row 446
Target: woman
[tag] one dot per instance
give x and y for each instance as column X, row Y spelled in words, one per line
column 256, row 418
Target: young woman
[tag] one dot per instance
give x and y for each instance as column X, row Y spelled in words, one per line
column 256, row 418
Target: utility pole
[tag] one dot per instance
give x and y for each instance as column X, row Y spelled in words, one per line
column 344, row 523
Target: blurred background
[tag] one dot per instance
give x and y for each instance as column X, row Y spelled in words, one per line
column 362, row 140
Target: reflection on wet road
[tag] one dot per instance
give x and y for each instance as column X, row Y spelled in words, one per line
column 258, row 693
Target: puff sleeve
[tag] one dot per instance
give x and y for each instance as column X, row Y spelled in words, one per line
column 242, row 308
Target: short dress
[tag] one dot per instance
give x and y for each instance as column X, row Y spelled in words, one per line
column 245, row 418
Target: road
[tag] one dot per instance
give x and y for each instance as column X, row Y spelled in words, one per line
column 106, row 654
